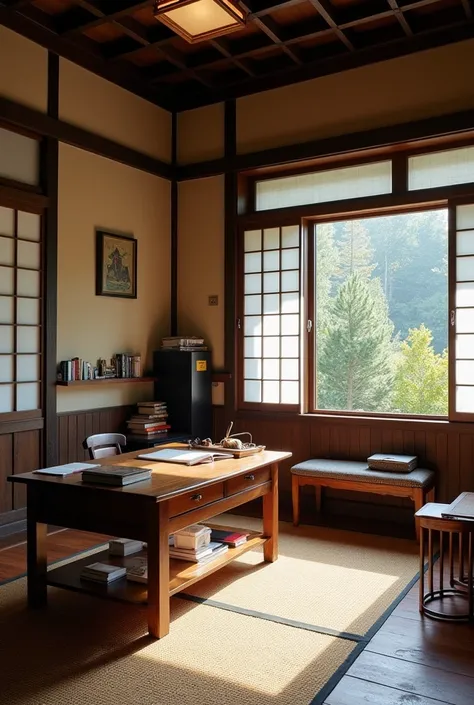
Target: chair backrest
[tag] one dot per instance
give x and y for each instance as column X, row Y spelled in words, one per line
column 102, row 445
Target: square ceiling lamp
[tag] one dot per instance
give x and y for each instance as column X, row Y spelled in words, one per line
column 196, row 20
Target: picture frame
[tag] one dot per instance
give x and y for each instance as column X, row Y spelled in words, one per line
column 116, row 265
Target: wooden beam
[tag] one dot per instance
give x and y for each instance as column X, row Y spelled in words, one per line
column 402, row 133
column 50, row 168
column 47, row 126
column 400, row 17
column 40, row 28
column 326, row 10
column 230, row 249
column 329, row 65
column 174, row 229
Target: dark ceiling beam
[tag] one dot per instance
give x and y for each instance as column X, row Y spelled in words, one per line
column 39, row 27
column 115, row 10
column 220, row 45
column 326, row 10
column 402, row 20
column 41, row 124
column 271, row 29
column 330, row 65
column 403, row 133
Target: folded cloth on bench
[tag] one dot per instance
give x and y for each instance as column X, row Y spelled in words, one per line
column 352, row 470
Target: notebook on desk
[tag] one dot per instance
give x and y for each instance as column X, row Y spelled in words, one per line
column 461, row 508
column 183, row 457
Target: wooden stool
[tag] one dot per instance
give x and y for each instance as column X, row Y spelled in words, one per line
column 460, row 589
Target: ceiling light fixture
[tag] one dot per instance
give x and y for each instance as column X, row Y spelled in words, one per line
column 196, row 20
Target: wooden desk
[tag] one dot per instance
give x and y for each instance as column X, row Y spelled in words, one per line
column 174, row 497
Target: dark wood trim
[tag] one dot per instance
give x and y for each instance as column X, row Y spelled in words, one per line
column 32, row 24
column 370, row 205
column 221, row 377
column 174, row 227
column 49, row 126
column 21, row 425
column 230, row 250
column 50, row 168
column 403, row 133
column 333, row 64
column 24, row 200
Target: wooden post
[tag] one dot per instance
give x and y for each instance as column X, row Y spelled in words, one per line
column 36, row 556
column 295, row 498
column 158, row 571
column 270, row 518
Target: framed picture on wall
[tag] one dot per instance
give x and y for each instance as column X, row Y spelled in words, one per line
column 116, row 265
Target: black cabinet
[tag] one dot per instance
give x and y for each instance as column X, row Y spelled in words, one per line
column 184, row 382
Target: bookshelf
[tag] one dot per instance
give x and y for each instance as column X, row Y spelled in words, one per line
column 106, row 380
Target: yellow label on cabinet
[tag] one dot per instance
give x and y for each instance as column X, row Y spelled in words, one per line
column 201, row 365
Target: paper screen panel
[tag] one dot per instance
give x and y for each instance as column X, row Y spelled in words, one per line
column 332, row 185
column 270, row 325
column 464, row 302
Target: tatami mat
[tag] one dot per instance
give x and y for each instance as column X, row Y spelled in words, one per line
column 339, row 580
column 83, row 650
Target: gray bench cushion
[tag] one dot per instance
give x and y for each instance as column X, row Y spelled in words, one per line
column 360, row 472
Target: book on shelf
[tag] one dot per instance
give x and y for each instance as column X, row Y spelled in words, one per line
column 177, row 341
column 200, row 556
column 192, row 537
column 137, row 570
column 116, row 475
column 146, row 432
column 124, row 547
column 231, row 538
column 147, row 424
column 461, row 508
column 102, row 572
column 67, row 469
column 184, row 457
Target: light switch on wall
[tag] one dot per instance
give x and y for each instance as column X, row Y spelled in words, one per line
column 213, row 300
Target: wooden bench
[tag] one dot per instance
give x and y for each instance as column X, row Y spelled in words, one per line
column 417, row 485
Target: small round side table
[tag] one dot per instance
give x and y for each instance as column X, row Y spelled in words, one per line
column 459, row 592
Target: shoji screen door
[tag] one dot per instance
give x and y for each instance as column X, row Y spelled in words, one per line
column 462, row 311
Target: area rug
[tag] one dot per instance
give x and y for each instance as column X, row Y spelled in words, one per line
column 280, row 639
column 341, row 581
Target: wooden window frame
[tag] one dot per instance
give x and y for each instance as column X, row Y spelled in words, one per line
column 400, row 200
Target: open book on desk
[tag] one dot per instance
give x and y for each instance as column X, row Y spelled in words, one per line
column 461, row 508
column 184, row 457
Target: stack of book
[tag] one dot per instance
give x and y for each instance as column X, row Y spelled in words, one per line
column 180, row 342
column 201, row 555
column 150, row 421
column 124, row 547
column 102, row 573
column 230, row 538
column 115, row 475
column 192, row 537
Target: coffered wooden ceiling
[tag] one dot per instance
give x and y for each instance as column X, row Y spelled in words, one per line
column 285, row 41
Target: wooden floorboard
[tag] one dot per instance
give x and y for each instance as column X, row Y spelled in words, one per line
column 411, row 660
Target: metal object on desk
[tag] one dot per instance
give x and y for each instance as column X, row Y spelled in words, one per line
column 458, row 593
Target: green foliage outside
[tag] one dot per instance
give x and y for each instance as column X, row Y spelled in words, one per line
column 381, row 325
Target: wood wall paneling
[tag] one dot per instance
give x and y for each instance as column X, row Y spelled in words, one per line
column 26, row 457
column 6, row 456
column 75, row 426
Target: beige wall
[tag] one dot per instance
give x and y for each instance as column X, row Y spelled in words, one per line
column 201, row 264
column 201, row 134
column 412, row 87
column 98, row 193
column 108, row 110
column 23, row 70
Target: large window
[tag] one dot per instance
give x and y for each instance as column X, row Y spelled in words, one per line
column 381, row 312
column 365, row 303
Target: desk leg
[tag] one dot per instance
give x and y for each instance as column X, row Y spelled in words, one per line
column 36, row 555
column 158, row 571
column 270, row 518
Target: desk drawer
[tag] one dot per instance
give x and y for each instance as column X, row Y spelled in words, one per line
column 250, row 479
column 196, row 499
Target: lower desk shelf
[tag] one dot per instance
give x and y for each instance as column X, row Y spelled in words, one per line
column 182, row 573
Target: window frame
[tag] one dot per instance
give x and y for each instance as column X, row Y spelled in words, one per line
column 400, row 200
